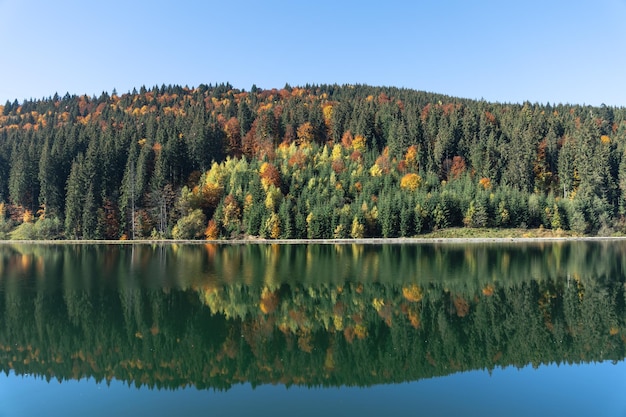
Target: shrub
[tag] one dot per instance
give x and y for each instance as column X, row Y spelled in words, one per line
column 192, row 226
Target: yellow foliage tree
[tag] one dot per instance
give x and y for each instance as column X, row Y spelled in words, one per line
column 336, row 153
column 273, row 198
column 410, row 181
column 338, row 232
column 359, row 143
column 327, row 110
column 375, row 171
column 272, row 225
column 358, row 229
column 28, row 216
column 217, row 174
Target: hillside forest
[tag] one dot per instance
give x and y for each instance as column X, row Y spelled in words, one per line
column 317, row 161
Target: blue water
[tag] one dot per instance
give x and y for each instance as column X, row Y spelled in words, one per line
column 577, row 390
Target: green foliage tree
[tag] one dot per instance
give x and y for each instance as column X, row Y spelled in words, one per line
column 190, row 226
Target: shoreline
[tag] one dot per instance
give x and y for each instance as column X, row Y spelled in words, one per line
column 363, row 241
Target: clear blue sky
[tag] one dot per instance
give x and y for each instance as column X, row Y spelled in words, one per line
column 540, row 51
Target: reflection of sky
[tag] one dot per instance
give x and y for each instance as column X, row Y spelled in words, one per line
column 586, row 390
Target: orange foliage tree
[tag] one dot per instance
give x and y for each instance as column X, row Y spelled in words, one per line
column 269, row 175
column 458, row 167
column 305, row 132
column 346, row 139
column 410, row 158
column 233, row 136
column 212, row 231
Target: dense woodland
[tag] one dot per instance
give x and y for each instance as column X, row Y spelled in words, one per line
column 92, row 313
column 322, row 161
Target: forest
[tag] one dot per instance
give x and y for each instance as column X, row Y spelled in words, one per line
column 317, row 162
column 70, row 312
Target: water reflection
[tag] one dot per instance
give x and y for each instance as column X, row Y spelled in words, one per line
column 212, row 316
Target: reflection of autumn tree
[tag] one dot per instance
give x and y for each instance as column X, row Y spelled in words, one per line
column 161, row 324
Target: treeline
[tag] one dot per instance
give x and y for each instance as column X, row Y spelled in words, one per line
column 83, row 324
column 322, row 161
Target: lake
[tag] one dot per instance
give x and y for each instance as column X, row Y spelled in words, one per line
column 439, row 329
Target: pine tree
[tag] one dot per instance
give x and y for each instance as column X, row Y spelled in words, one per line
column 89, row 221
column 51, row 196
column 74, row 201
column 23, row 184
column 286, row 221
column 129, row 194
column 245, row 117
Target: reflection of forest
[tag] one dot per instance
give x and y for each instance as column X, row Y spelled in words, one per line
column 213, row 316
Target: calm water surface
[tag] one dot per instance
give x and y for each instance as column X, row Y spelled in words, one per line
column 517, row 330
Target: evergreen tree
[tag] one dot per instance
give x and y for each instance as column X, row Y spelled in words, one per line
column 6, row 110
column 74, row 201
column 89, row 223
column 129, row 195
column 286, row 219
column 245, row 117
column 398, row 140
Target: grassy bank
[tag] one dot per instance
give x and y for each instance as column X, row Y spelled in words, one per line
column 488, row 233
column 452, row 235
